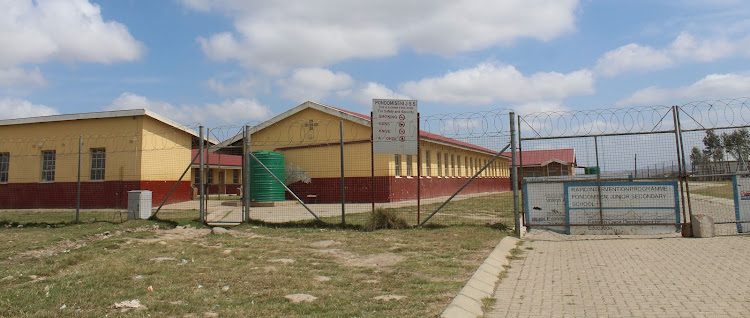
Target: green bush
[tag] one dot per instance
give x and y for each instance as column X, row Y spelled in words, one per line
column 383, row 219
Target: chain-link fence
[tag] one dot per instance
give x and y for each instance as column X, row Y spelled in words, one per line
column 636, row 170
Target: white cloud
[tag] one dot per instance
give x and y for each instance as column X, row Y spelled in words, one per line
column 235, row 111
column 685, row 48
column 66, row 30
column 313, row 84
column 709, row 87
column 632, row 57
column 18, row 108
column 488, row 82
column 241, row 87
column 276, row 36
column 364, row 94
column 16, row 76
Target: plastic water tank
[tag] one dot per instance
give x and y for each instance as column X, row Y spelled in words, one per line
column 139, row 204
column 263, row 187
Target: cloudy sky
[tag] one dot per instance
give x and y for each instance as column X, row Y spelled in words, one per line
column 229, row 62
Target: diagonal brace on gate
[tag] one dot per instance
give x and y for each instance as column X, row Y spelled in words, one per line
column 465, row 185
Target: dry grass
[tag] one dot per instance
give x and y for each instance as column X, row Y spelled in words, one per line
column 244, row 274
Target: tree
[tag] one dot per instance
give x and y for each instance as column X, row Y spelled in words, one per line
column 697, row 157
column 737, row 144
column 714, row 148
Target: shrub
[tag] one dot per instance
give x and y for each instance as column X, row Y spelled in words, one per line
column 382, row 219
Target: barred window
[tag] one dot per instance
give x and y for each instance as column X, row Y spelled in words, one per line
column 197, row 179
column 445, row 164
column 235, row 176
column 48, row 165
column 98, row 158
column 439, row 166
column 4, row 166
column 408, row 166
column 397, row 159
column 210, row 176
column 427, row 163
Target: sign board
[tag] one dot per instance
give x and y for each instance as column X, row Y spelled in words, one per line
column 544, row 205
column 394, row 126
column 607, row 204
column 741, row 185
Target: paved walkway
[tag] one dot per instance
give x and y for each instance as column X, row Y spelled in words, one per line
column 626, row 276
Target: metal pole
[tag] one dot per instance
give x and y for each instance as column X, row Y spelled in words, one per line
column 519, row 167
column 687, row 183
column 205, row 180
column 635, row 166
column 78, row 191
column 372, row 163
column 246, row 174
column 343, row 180
column 419, row 172
column 514, row 176
column 599, row 181
column 202, row 208
column 679, row 163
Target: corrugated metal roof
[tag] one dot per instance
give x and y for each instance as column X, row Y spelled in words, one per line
column 543, row 157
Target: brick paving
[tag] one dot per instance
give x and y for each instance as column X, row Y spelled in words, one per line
column 626, row 276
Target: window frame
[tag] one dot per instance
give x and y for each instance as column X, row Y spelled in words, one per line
column 428, row 170
column 95, row 171
column 235, row 176
column 409, row 166
column 4, row 167
column 48, row 165
column 210, row 176
column 397, row 165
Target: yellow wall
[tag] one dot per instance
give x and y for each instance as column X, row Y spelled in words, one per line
column 318, row 154
column 498, row 169
column 129, row 142
column 165, row 151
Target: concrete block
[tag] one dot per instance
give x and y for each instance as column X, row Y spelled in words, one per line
column 457, row 312
column 703, row 226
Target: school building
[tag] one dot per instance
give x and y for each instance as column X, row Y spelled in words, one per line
column 119, row 151
column 309, row 138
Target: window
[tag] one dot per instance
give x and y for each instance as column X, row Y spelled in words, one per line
column 197, row 179
column 235, row 176
column 446, row 165
column 48, row 166
column 458, row 165
column 98, row 156
column 439, row 168
column 4, row 165
column 408, row 166
column 427, row 162
column 210, row 176
column 453, row 165
column 397, row 161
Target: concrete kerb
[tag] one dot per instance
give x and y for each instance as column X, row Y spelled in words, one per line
column 468, row 303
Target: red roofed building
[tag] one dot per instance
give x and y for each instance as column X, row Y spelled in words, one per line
column 223, row 173
column 309, row 138
column 544, row 163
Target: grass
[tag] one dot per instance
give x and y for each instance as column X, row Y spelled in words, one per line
column 718, row 189
column 240, row 275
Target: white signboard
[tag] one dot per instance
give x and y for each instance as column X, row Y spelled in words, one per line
column 544, row 204
column 394, row 126
column 609, row 204
column 741, row 185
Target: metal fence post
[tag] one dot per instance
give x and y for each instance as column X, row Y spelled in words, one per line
column 514, row 175
column 246, row 174
column 78, row 190
column 202, row 208
column 343, row 180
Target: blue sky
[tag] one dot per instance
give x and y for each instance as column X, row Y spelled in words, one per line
column 229, row 62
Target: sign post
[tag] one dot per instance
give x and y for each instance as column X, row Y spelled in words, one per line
column 395, row 130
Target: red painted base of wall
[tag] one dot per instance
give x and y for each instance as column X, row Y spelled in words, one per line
column 391, row 189
column 108, row 194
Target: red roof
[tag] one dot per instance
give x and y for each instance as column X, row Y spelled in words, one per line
column 543, row 157
column 423, row 134
column 218, row 160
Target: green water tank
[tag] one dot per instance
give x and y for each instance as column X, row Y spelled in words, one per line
column 263, row 187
